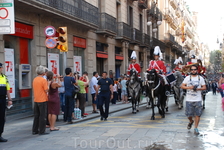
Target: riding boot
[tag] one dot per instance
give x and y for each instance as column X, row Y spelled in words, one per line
column 167, row 90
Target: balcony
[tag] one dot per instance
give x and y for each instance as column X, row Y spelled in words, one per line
column 174, row 4
column 146, row 39
column 174, row 24
column 136, row 36
column 168, row 16
column 169, row 38
column 123, row 31
column 80, row 12
column 189, row 33
column 142, row 4
column 107, row 25
column 188, row 44
column 178, row 12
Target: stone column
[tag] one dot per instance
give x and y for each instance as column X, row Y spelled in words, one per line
column 124, row 64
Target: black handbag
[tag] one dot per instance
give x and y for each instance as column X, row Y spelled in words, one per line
column 76, row 89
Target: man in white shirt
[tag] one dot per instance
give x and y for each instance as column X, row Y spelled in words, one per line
column 93, row 86
column 194, row 84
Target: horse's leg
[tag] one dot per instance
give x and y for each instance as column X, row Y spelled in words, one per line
column 166, row 102
column 181, row 98
column 153, row 113
column 147, row 102
column 159, row 105
column 133, row 106
column 138, row 101
column 163, row 104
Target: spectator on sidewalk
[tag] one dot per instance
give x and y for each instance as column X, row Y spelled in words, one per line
column 221, row 81
column 40, row 89
column 4, row 90
column 82, row 94
column 124, row 90
column 61, row 91
column 119, row 89
column 194, row 84
column 106, row 94
column 114, row 92
column 69, row 83
column 93, row 86
column 83, row 78
column 214, row 87
column 53, row 99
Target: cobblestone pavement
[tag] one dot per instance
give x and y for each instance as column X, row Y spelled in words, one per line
column 125, row 130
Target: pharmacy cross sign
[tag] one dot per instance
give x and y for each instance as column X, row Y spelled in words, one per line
column 7, row 17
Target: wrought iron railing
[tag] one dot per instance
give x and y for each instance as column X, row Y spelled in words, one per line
column 123, row 30
column 107, row 22
column 146, row 39
column 79, row 8
column 137, row 35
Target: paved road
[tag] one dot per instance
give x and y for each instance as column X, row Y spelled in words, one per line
column 124, row 130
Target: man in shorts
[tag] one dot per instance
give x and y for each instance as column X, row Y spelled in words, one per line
column 194, row 84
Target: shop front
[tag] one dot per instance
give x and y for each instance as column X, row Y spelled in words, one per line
column 18, row 67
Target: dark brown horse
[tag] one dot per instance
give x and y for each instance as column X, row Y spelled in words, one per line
column 155, row 88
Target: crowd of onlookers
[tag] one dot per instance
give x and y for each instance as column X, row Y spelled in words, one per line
column 54, row 95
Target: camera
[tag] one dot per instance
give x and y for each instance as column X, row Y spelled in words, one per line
column 195, row 87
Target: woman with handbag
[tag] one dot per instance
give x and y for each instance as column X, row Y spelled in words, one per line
column 53, row 99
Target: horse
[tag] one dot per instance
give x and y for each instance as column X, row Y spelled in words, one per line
column 134, row 89
column 155, row 88
column 178, row 92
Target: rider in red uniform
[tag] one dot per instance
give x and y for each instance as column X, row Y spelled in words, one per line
column 159, row 66
column 177, row 62
column 136, row 66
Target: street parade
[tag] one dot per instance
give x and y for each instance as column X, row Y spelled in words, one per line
column 111, row 74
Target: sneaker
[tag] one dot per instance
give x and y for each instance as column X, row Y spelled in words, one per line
column 85, row 114
column 190, row 125
column 196, row 132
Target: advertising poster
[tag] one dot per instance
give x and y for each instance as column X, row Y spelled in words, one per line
column 10, row 70
column 53, row 63
column 78, row 64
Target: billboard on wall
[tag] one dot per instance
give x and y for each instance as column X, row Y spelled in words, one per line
column 10, row 70
column 78, row 64
column 53, row 62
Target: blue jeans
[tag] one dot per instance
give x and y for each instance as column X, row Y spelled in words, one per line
column 221, row 92
column 62, row 101
column 69, row 108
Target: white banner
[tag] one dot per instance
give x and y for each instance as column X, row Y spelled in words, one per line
column 78, row 64
column 10, row 70
column 53, row 63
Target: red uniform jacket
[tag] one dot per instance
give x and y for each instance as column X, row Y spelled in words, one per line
column 176, row 69
column 188, row 63
column 136, row 66
column 157, row 65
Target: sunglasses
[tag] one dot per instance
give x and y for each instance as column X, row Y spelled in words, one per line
column 194, row 69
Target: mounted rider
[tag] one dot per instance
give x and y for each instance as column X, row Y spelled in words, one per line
column 159, row 66
column 178, row 62
column 201, row 68
column 134, row 66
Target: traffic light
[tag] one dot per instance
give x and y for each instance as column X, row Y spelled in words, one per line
column 63, row 39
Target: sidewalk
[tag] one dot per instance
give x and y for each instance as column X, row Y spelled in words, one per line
column 88, row 109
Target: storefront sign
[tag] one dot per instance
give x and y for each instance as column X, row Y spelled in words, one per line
column 53, row 62
column 100, row 54
column 23, row 30
column 10, row 70
column 77, row 64
column 79, row 42
column 7, row 17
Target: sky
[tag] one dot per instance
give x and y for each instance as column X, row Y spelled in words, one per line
column 210, row 20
